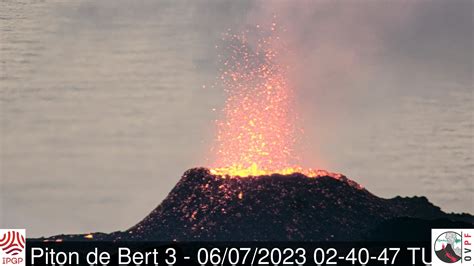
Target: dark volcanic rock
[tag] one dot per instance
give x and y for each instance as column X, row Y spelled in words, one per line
column 204, row 207
column 293, row 207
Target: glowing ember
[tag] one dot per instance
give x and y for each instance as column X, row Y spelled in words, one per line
column 258, row 133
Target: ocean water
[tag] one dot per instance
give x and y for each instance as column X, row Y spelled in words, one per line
column 103, row 108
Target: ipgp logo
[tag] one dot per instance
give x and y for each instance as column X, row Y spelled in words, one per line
column 12, row 246
column 452, row 246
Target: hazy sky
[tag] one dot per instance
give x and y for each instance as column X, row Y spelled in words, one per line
column 103, row 108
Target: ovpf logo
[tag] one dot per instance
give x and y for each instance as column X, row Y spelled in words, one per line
column 451, row 247
column 12, row 246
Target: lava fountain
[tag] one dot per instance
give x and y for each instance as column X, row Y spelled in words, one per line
column 257, row 133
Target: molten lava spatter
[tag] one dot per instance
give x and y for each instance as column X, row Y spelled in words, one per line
column 253, row 170
column 257, row 134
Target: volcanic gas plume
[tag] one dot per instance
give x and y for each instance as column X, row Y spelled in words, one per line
column 258, row 132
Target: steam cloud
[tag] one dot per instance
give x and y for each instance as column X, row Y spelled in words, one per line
column 352, row 61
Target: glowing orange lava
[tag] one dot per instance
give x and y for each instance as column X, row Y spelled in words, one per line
column 257, row 134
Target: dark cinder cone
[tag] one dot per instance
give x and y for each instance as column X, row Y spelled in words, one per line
column 292, row 207
column 205, row 207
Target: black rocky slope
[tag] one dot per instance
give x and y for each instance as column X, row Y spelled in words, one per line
column 293, row 207
column 205, row 207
